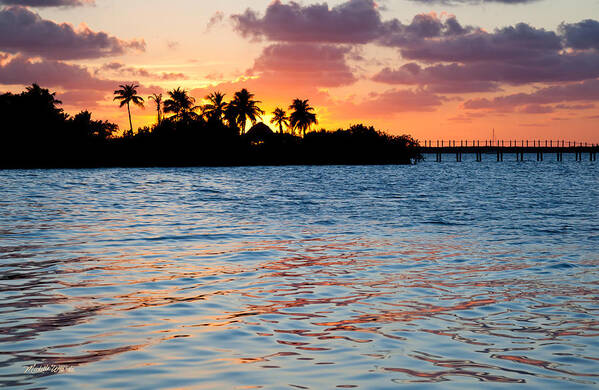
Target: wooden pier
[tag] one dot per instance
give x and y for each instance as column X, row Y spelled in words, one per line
column 519, row 148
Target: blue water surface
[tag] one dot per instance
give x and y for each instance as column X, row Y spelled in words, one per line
column 438, row 275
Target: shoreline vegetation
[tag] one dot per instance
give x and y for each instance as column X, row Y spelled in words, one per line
column 36, row 133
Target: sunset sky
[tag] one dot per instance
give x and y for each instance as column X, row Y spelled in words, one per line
column 436, row 69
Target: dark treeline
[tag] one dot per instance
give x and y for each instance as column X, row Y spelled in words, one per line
column 36, row 132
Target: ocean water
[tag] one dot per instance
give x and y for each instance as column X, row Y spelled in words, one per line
column 439, row 275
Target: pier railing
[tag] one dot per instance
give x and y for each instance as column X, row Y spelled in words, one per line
column 517, row 147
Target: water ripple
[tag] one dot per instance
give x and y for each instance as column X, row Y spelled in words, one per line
column 300, row 277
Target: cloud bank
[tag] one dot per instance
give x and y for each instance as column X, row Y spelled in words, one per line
column 24, row 31
column 443, row 56
column 47, row 3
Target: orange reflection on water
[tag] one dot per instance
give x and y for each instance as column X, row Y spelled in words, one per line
column 542, row 364
column 310, row 304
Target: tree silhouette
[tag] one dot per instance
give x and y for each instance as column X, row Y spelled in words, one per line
column 230, row 116
column 280, row 118
column 43, row 103
column 157, row 98
column 35, row 132
column 180, row 104
column 215, row 110
column 126, row 95
column 242, row 108
column 32, row 116
column 85, row 127
column 302, row 116
column 42, row 98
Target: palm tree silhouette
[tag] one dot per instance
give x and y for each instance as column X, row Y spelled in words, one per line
column 42, row 95
column 230, row 116
column 180, row 104
column 302, row 116
column 216, row 108
column 242, row 108
column 157, row 98
column 128, row 94
column 280, row 118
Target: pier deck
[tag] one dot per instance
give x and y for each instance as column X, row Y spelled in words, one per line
column 517, row 148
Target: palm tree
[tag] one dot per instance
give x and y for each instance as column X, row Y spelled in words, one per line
column 44, row 103
column 42, row 95
column 302, row 116
column 179, row 103
column 280, row 118
column 157, row 98
column 216, row 108
column 242, row 108
column 230, row 116
column 128, row 94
